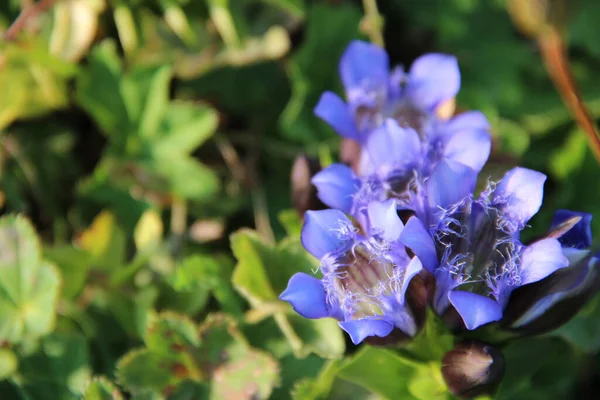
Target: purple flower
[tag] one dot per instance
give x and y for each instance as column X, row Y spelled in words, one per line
column 365, row 272
column 549, row 303
column 482, row 260
column 401, row 165
column 374, row 93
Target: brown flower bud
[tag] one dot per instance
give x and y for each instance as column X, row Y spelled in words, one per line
column 472, row 368
column 304, row 194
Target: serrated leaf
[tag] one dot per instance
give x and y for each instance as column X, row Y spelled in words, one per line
column 101, row 388
column 262, row 273
column 238, row 371
column 169, row 333
column 216, row 354
column 142, row 370
column 29, row 286
column 381, row 371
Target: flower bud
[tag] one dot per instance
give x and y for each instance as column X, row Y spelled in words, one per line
column 304, row 194
column 472, row 368
column 350, row 153
column 545, row 305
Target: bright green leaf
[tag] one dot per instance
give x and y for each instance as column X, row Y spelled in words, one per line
column 101, row 388
column 29, row 286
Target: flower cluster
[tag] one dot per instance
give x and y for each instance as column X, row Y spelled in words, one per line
column 406, row 214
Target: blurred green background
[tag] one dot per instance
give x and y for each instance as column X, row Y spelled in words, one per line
column 138, row 137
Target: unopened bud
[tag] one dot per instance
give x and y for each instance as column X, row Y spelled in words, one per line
column 350, row 153
column 304, row 194
column 546, row 305
column 472, row 368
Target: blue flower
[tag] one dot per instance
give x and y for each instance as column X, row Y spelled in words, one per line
column 482, row 260
column 374, row 93
column 365, row 271
column 401, row 164
column 549, row 303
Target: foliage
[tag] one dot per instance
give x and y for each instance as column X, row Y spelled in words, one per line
column 140, row 139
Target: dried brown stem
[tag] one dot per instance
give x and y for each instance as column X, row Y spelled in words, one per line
column 557, row 63
column 27, row 14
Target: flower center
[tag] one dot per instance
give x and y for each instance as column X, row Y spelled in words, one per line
column 361, row 278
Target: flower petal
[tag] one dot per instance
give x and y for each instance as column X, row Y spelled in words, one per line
column 364, row 65
column 474, row 309
column 321, row 233
column 522, row 191
column 468, row 120
column 541, row 259
column 392, row 145
column 580, row 235
column 384, row 220
column 332, row 109
column 362, row 328
column 416, row 237
column 470, row 147
column 450, row 183
column 413, row 268
column 433, row 79
column 336, row 186
column 306, row 296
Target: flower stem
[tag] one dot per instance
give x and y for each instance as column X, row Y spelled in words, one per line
column 372, row 23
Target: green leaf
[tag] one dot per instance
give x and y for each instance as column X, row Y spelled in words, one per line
column 143, row 371
column 101, row 388
column 157, row 101
column 537, row 368
column 381, row 371
column 214, row 354
column 329, row 30
column 74, row 264
column 583, row 331
column 59, row 369
column 262, row 273
column 246, row 373
column 98, row 91
column 570, row 157
column 148, row 231
column 187, row 177
column 29, row 285
column 8, row 363
column 318, row 388
column 185, row 127
column 105, row 241
column 291, row 222
column 428, row 383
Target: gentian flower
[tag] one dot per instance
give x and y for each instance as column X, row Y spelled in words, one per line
column 551, row 302
column 482, row 260
column 375, row 94
column 366, row 272
column 401, row 163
